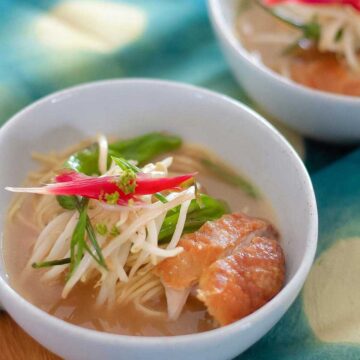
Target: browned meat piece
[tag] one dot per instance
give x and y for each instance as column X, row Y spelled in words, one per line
column 325, row 72
column 237, row 285
column 236, row 262
column 213, row 240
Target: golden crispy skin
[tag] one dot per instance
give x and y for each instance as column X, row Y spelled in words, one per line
column 325, row 72
column 237, row 285
column 213, row 240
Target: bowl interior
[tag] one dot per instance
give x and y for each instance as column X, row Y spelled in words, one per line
column 126, row 108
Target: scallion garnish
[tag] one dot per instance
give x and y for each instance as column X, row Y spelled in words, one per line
column 310, row 31
column 77, row 242
column 45, row 264
column 80, row 245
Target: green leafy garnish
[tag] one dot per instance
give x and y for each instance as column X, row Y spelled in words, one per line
column 199, row 212
column 311, row 30
column 161, row 198
column 45, row 264
column 125, row 165
column 339, row 35
column 141, row 149
column 92, row 237
column 67, row 202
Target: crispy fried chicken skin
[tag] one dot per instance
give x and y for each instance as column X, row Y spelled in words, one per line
column 236, row 261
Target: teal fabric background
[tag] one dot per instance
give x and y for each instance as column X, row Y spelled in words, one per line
column 178, row 44
column 337, row 191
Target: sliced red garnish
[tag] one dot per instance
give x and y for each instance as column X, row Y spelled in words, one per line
column 147, row 185
column 354, row 3
column 70, row 175
column 100, row 188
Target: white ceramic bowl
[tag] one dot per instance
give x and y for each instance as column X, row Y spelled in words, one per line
column 129, row 107
column 314, row 113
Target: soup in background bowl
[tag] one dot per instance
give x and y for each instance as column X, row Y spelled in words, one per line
column 322, row 54
column 257, row 155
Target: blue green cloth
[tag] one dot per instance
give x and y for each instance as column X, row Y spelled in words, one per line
column 338, row 194
column 176, row 42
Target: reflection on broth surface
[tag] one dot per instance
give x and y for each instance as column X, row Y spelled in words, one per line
column 81, row 306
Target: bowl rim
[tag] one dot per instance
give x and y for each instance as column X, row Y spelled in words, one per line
column 214, row 9
column 292, row 287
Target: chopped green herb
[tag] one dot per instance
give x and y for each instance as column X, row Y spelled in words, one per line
column 339, row 35
column 127, row 182
column 112, row 199
column 114, row 231
column 126, row 165
column 101, row 229
column 312, row 30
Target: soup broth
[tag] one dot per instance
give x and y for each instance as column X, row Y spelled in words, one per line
column 80, row 307
column 270, row 42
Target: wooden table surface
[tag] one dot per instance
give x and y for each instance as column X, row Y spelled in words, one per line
column 15, row 344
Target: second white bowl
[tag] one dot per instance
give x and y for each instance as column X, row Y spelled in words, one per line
column 314, row 113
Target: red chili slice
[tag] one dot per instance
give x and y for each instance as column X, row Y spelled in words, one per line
column 73, row 183
column 354, row 3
